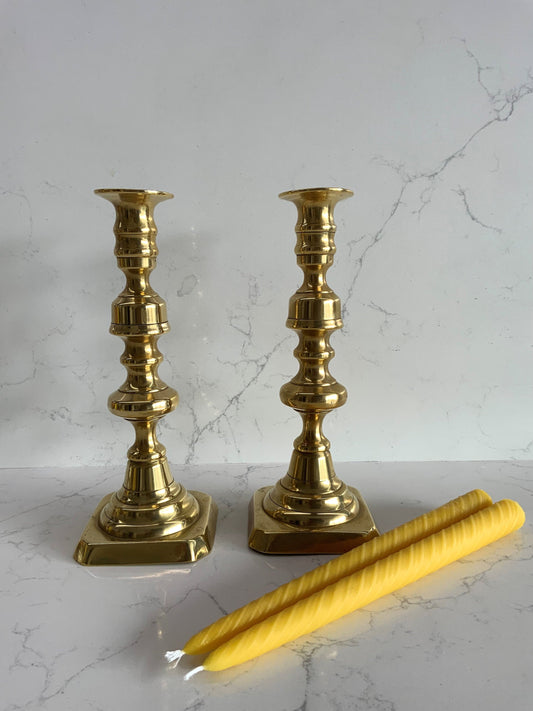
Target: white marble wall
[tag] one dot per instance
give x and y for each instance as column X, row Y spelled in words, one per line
column 423, row 108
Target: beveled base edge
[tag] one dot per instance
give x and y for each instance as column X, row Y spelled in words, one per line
column 98, row 548
column 267, row 535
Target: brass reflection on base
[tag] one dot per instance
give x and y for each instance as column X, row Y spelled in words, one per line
column 152, row 518
column 98, row 548
column 268, row 535
column 310, row 510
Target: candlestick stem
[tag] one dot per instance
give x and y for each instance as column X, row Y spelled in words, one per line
column 310, row 509
column 152, row 518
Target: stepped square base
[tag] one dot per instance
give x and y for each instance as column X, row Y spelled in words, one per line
column 98, row 548
column 268, row 535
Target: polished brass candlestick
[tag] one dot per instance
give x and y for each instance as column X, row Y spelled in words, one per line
column 310, row 510
column 151, row 519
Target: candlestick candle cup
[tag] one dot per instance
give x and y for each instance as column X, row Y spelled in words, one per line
column 310, row 510
column 152, row 518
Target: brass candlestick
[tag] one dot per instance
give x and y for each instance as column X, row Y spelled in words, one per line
column 310, row 510
column 151, row 519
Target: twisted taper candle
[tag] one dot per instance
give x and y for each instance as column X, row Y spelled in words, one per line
column 375, row 549
column 374, row 581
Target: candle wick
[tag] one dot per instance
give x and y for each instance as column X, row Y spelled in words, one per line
column 193, row 672
column 173, row 657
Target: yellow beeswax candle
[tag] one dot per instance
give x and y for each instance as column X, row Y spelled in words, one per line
column 354, row 591
column 226, row 627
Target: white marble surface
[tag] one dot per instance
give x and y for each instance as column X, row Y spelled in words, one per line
column 94, row 638
column 424, row 108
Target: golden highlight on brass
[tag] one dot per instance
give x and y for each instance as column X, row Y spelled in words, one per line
column 151, row 519
column 310, row 510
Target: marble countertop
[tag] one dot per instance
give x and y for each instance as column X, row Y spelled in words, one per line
column 87, row 638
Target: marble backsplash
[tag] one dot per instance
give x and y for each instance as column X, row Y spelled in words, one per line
column 423, row 109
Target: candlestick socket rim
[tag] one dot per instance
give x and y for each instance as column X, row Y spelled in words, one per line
column 134, row 191
column 333, row 193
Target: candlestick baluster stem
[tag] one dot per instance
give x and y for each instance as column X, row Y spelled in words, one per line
column 310, row 510
column 152, row 518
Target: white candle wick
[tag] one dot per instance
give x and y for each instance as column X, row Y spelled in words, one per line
column 173, row 657
column 193, row 672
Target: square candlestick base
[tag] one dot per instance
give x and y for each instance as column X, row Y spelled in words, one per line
column 268, row 535
column 98, row 548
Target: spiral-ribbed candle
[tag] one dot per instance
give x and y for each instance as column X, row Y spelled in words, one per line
column 372, row 582
column 346, row 564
